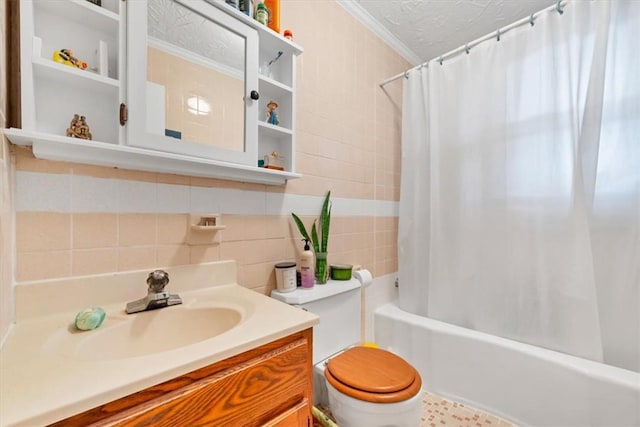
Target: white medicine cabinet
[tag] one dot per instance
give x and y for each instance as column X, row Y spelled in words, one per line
column 174, row 86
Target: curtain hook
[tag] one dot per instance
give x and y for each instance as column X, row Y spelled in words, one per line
column 440, row 60
column 559, row 7
column 531, row 19
column 498, row 34
column 406, row 74
column 466, row 48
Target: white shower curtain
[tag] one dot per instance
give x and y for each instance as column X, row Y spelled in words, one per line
column 520, row 191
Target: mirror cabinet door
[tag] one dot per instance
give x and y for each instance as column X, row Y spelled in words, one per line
column 191, row 71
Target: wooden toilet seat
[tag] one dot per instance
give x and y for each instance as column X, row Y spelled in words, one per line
column 373, row 375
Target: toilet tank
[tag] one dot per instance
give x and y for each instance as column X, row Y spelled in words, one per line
column 338, row 304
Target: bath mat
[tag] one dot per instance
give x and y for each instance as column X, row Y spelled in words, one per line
column 438, row 412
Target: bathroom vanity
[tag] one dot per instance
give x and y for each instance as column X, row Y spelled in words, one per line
column 267, row 386
column 226, row 356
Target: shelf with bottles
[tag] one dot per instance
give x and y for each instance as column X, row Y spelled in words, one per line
column 269, row 39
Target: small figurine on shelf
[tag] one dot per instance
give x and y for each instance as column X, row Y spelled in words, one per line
column 65, row 56
column 78, row 128
column 272, row 116
column 72, row 126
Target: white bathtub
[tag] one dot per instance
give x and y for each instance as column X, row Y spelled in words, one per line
column 527, row 385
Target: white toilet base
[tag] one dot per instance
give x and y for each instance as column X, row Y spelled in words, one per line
column 350, row 412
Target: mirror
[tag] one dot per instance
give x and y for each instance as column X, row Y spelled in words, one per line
column 190, row 69
column 195, row 75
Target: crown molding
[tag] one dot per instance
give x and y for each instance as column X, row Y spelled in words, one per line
column 358, row 12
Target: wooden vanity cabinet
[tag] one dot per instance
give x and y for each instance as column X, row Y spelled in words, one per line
column 268, row 386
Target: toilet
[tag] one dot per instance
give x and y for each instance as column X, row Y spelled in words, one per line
column 363, row 386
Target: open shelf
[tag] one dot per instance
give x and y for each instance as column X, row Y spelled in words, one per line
column 81, row 80
column 62, row 148
column 273, row 131
column 272, row 85
column 84, row 13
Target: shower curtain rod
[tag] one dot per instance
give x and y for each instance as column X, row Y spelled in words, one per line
column 465, row 48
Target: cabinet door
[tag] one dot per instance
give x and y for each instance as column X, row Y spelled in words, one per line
column 191, row 71
column 270, row 389
column 298, row 416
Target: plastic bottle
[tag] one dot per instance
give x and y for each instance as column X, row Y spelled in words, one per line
column 262, row 14
column 306, row 267
column 246, row 6
column 273, row 6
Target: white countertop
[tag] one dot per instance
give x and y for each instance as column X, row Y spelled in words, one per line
column 42, row 382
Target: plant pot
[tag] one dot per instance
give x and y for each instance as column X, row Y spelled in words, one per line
column 322, row 272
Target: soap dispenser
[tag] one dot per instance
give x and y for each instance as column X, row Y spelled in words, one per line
column 307, row 274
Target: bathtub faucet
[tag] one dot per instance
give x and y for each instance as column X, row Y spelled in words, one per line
column 156, row 297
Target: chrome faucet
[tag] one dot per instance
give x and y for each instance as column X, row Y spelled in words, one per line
column 156, row 297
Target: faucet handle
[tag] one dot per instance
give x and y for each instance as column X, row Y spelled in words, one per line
column 157, row 280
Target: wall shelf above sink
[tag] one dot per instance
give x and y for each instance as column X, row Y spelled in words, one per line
column 61, row 148
column 131, row 108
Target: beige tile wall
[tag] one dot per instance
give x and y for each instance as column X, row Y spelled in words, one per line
column 348, row 141
column 51, row 244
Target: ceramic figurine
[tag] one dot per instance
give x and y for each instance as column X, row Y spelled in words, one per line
column 72, row 126
column 272, row 116
column 78, row 128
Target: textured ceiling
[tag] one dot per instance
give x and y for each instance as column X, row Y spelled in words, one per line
column 430, row 28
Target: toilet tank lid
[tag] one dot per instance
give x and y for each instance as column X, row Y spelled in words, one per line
column 318, row 292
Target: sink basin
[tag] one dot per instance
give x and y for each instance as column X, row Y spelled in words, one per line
column 124, row 336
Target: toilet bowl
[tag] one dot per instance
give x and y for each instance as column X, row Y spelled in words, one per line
column 374, row 388
column 363, row 386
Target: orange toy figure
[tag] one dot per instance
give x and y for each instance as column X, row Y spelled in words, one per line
column 65, row 56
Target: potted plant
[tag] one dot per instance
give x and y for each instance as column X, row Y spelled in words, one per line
column 319, row 242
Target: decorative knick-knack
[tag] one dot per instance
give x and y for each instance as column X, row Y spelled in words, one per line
column 65, row 56
column 78, row 128
column 272, row 116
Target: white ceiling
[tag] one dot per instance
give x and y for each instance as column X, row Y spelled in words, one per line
column 426, row 29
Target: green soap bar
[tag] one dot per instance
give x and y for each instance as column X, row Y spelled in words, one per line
column 90, row 318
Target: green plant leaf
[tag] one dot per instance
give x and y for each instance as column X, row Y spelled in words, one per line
column 301, row 226
column 325, row 220
column 314, row 238
column 325, row 231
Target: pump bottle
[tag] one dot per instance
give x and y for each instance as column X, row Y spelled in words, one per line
column 307, row 274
